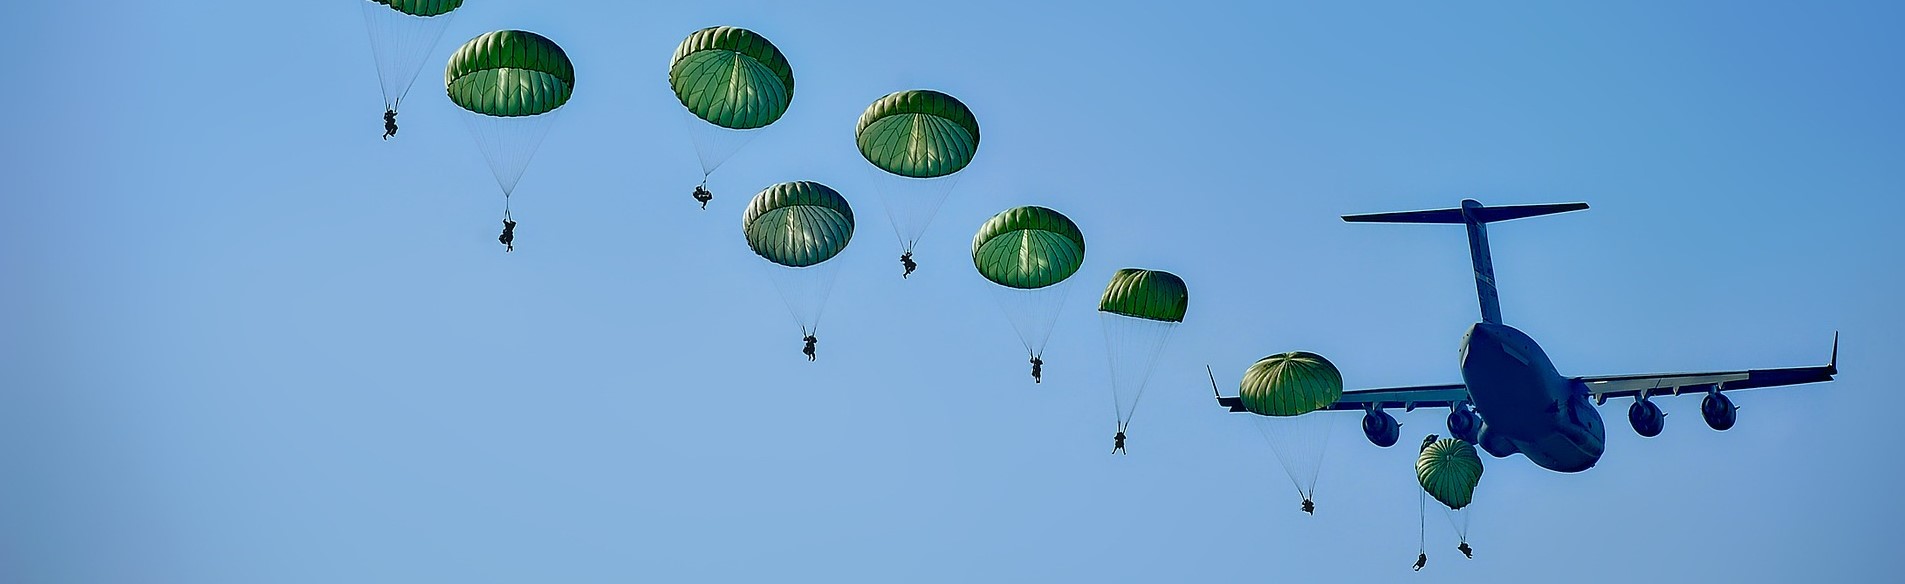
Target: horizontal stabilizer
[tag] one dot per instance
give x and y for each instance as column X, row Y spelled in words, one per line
column 1493, row 214
column 1481, row 213
column 1436, row 216
column 1475, row 216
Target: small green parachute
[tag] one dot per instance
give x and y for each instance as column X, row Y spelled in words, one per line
column 423, row 8
column 798, row 224
column 1291, row 384
column 1139, row 311
column 509, row 73
column 1448, row 470
column 1146, row 294
column 1028, row 247
column 918, row 134
column 732, row 78
column 402, row 35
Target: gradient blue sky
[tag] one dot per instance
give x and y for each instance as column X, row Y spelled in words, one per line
column 244, row 340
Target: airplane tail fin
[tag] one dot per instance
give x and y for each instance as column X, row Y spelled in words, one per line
column 1475, row 216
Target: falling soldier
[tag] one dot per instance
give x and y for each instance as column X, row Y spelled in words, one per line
column 906, row 261
column 1117, row 442
column 809, row 349
column 390, row 123
column 508, row 238
column 702, row 194
column 1038, row 368
column 1309, row 506
column 1467, row 552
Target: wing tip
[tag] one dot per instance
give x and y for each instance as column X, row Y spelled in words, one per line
column 1832, row 366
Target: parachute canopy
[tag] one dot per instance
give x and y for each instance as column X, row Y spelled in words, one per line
column 1146, row 294
column 509, row 73
column 731, row 77
column 423, row 8
column 1028, row 247
column 797, row 224
column 918, row 134
column 1291, row 384
column 1449, row 469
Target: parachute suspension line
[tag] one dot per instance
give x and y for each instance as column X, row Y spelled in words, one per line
column 804, row 290
column 1459, row 520
column 400, row 44
column 1133, row 346
column 714, row 145
column 509, row 143
column 911, row 203
column 1422, row 514
column 1033, row 313
column 1295, row 440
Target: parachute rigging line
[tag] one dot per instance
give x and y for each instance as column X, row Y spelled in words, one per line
column 1422, row 514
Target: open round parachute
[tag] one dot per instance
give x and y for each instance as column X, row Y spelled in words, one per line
column 798, row 224
column 402, row 34
column 918, row 133
column 1291, row 384
column 1285, row 390
column 511, row 82
column 731, row 77
column 1139, row 310
column 1448, row 470
column 1028, row 247
column 1031, row 253
column 424, row 8
column 509, row 73
column 1146, row 294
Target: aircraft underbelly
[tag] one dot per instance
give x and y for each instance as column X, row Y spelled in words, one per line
column 1525, row 403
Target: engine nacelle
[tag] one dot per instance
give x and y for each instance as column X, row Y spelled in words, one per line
column 1465, row 424
column 1646, row 418
column 1381, row 428
column 1719, row 411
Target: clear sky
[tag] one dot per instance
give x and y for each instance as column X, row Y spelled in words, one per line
column 244, row 340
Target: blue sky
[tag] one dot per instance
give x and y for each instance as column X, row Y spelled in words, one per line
column 244, row 340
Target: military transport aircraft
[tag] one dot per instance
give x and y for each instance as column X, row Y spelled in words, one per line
column 1520, row 404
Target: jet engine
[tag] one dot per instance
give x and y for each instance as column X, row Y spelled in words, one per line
column 1647, row 418
column 1464, row 424
column 1718, row 410
column 1381, row 428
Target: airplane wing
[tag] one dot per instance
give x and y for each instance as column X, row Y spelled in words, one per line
column 1600, row 387
column 1407, row 398
column 1606, row 386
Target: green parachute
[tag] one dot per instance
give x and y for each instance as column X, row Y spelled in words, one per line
column 1146, row 295
column 402, row 34
column 1139, row 310
column 798, row 226
column 511, row 82
column 1029, row 252
column 1291, row 384
column 1449, row 470
column 509, row 73
column 919, row 133
column 731, row 77
column 731, row 80
column 1028, row 248
column 425, row 8
column 1281, row 389
column 917, row 140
